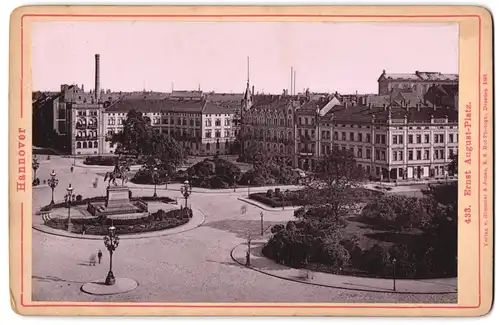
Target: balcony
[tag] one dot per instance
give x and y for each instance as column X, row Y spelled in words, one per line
column 85, row 138
column 81, row 126
column 92, row 126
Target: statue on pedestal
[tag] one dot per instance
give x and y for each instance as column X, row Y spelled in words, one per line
column 119, row 172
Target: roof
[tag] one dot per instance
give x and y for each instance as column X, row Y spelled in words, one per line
column 222, row 107
column 365, row 114
column 419, row 76
column 147, row 105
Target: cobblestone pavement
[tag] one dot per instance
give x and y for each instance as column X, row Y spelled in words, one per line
column 193, row 266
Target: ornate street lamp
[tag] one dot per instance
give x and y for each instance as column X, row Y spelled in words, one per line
column 35, row 166
column 261, row 223
column 111, row 242
column 53, row 181
column 155, row 171
column 68, row 198
column 186, row 190
column 394, row 274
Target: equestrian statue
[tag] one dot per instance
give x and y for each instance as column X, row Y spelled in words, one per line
column 120, row 172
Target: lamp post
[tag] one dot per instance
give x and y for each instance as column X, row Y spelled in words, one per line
column 111, row 242
column 155, row 171
column 68, row 199
column 261, row 223
column 394, row 274
column 35, row 166
column 249, row 188
column 186, row 190
column 53, row 181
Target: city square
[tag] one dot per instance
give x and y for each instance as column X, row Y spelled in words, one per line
column 302, row 186
column 191, row 266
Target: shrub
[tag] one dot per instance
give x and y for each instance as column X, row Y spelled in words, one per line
column 79, row 198
column 36, row 182
column 100, row 160
column 269, row 193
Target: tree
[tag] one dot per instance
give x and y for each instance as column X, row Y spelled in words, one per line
column 336, row 177
column 135, row 138
column 140, row 139
column 453, row 165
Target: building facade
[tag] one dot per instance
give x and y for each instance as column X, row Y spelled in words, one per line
column 420, row 81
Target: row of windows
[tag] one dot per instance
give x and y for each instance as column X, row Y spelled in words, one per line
column 438, row 138
column 275, row 134
column 270, row 121
column 86, row 144
column 227, row 122
column 227, row 134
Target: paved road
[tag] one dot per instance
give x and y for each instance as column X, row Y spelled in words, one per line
column 194, row 266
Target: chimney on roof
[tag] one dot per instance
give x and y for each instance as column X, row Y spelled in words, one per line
column 97, row 89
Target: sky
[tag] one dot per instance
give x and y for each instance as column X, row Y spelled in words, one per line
column 327, row 57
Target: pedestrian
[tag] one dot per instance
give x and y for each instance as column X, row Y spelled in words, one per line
column 84, row 229
column 71, row 168
column 92, row 260
column 99, row 256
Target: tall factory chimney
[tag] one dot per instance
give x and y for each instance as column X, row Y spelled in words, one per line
column 97, row 89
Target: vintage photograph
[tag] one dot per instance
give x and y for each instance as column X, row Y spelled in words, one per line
column 245, row 162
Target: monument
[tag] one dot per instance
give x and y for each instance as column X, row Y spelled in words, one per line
column 117, row 204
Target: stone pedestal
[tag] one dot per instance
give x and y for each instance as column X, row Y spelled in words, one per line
column 118, row 201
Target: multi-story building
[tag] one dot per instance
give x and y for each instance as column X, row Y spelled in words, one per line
column 420, row 81
column 270, row 122
column 392, row 143
column 204, row 124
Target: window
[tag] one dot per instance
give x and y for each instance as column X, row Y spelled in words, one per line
column 419, row 155
column 441, row 138
column 419, row 138
column 441, row 154
column 172, row 121
column 335, row 136
column 197, row 122
column 217, row 145
column 368, row 138
column 191, row 122
column 300, row 120
column 436, row 154
column 410, row 138
column 179, row 122
column 450, row 137
column 78, row 145
column 394, row 139
column 360, row 153
column 450, row 153
column 217, row 122
column 343, row 136
column 351, row 136
column 208, row 146
column 377, row 154
column 394, row 155
column 368, row 153
column 426, row 154
column 184, row 121
column 410, row 154
column 208, row 122
column 208, row 134
column 400, row 153
column 226, row 133
column 426, row 138
column 360, row 137
column 377, row 138
column 217, row 133
column 382, row 139
column 227, row 122
column 382, row 155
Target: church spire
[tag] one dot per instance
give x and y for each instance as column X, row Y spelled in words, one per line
column 247, row 99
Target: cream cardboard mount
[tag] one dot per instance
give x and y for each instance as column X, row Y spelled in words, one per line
column 310, row 160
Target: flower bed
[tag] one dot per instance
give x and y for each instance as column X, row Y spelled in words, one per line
column 99, row 225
